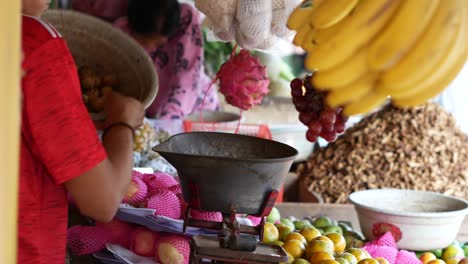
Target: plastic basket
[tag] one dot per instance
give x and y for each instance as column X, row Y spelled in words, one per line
column 261, row 131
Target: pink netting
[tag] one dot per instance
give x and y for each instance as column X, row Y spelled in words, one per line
column 159, row 180
column 120, row 231
column 143, row 241
column 165, row 203
column 137, row 174
column 176, row 189
column 206, row 216
column 255, row 220
column 84, row 240
column 172, row 249
column 385, row 247
column 136, row 198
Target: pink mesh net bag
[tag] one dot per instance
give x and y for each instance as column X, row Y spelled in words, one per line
column 385, row 246
column 172, row 249
column 136, row 191
column 243, row 80
column 165, row 203
column 159, row 180
column 206, row 216
column 120, row 231
column 255, row 220
column 84, row 240
column 143, row 241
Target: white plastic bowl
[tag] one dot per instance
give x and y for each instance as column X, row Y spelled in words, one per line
column 426, row 220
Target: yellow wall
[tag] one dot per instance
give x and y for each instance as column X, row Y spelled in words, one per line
column 10, row 50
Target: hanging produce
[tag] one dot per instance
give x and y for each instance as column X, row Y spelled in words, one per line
column 363, row 52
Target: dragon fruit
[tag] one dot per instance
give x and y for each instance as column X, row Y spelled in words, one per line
column 243, row 80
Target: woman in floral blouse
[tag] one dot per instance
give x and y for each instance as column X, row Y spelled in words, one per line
column 170, row 33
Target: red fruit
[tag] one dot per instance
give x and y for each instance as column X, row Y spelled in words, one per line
column 296, row 84
column 308, row 85
column 326, row 127
column 340, row 126
column 328, row 117
column 329, row 136
column 296, row 92
column 311, row 136
column 172, row 249
column 300, row 103
column 315, row 127
column 306, row 118
column 379, row 229
column 143, row 242
column 338, row 111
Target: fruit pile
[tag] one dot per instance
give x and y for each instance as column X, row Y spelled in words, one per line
column 363, row 51
column 318, row 240
column 96, row 84
column 164, row 248
column 456, row 253
column 323, row 240
column 321, row 120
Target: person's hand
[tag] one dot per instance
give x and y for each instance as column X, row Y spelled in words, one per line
column 120, row 108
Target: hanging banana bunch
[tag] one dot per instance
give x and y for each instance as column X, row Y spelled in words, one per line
column 363, row 52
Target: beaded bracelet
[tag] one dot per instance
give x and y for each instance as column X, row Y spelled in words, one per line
column 109, row 127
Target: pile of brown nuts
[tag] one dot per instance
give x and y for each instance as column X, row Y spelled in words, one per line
column 416, row 148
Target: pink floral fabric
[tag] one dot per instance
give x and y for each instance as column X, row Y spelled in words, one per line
column 179, row 64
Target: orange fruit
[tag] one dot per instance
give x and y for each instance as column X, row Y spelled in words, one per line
column 310, row 233
column 316, row 246
column 426, row 257
column 317, row 257
column 463, row 260
column 359, row 253
column 297, row 236
column 436, row 261
column 270, row 233
column 329, row 261
column 382, row 260
column 338, row 240
column 294, row 247
column 368, row 261
column 349, row 257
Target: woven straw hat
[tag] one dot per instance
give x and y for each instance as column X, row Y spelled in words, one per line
column 95, row 42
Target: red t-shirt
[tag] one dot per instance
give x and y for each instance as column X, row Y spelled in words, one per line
column 58, row 142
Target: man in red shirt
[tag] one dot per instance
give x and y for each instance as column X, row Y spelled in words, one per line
column 60, row 149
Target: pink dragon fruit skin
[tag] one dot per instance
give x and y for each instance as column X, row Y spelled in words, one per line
column 140, row 195
column 143, row 241
column 120, row 231
column 172, row 249
column 84, row 240
column 243, row 81
column 159, row 180
column 255, row 220
column 165, row 203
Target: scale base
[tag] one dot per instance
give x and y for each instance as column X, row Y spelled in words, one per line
column 206, row 249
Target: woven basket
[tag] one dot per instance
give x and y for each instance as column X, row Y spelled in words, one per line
column 95, row 42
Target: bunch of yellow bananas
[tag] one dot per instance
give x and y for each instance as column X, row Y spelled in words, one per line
column 365, row 51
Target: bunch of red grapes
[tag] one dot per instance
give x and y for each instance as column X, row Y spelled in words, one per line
column 321, row 120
